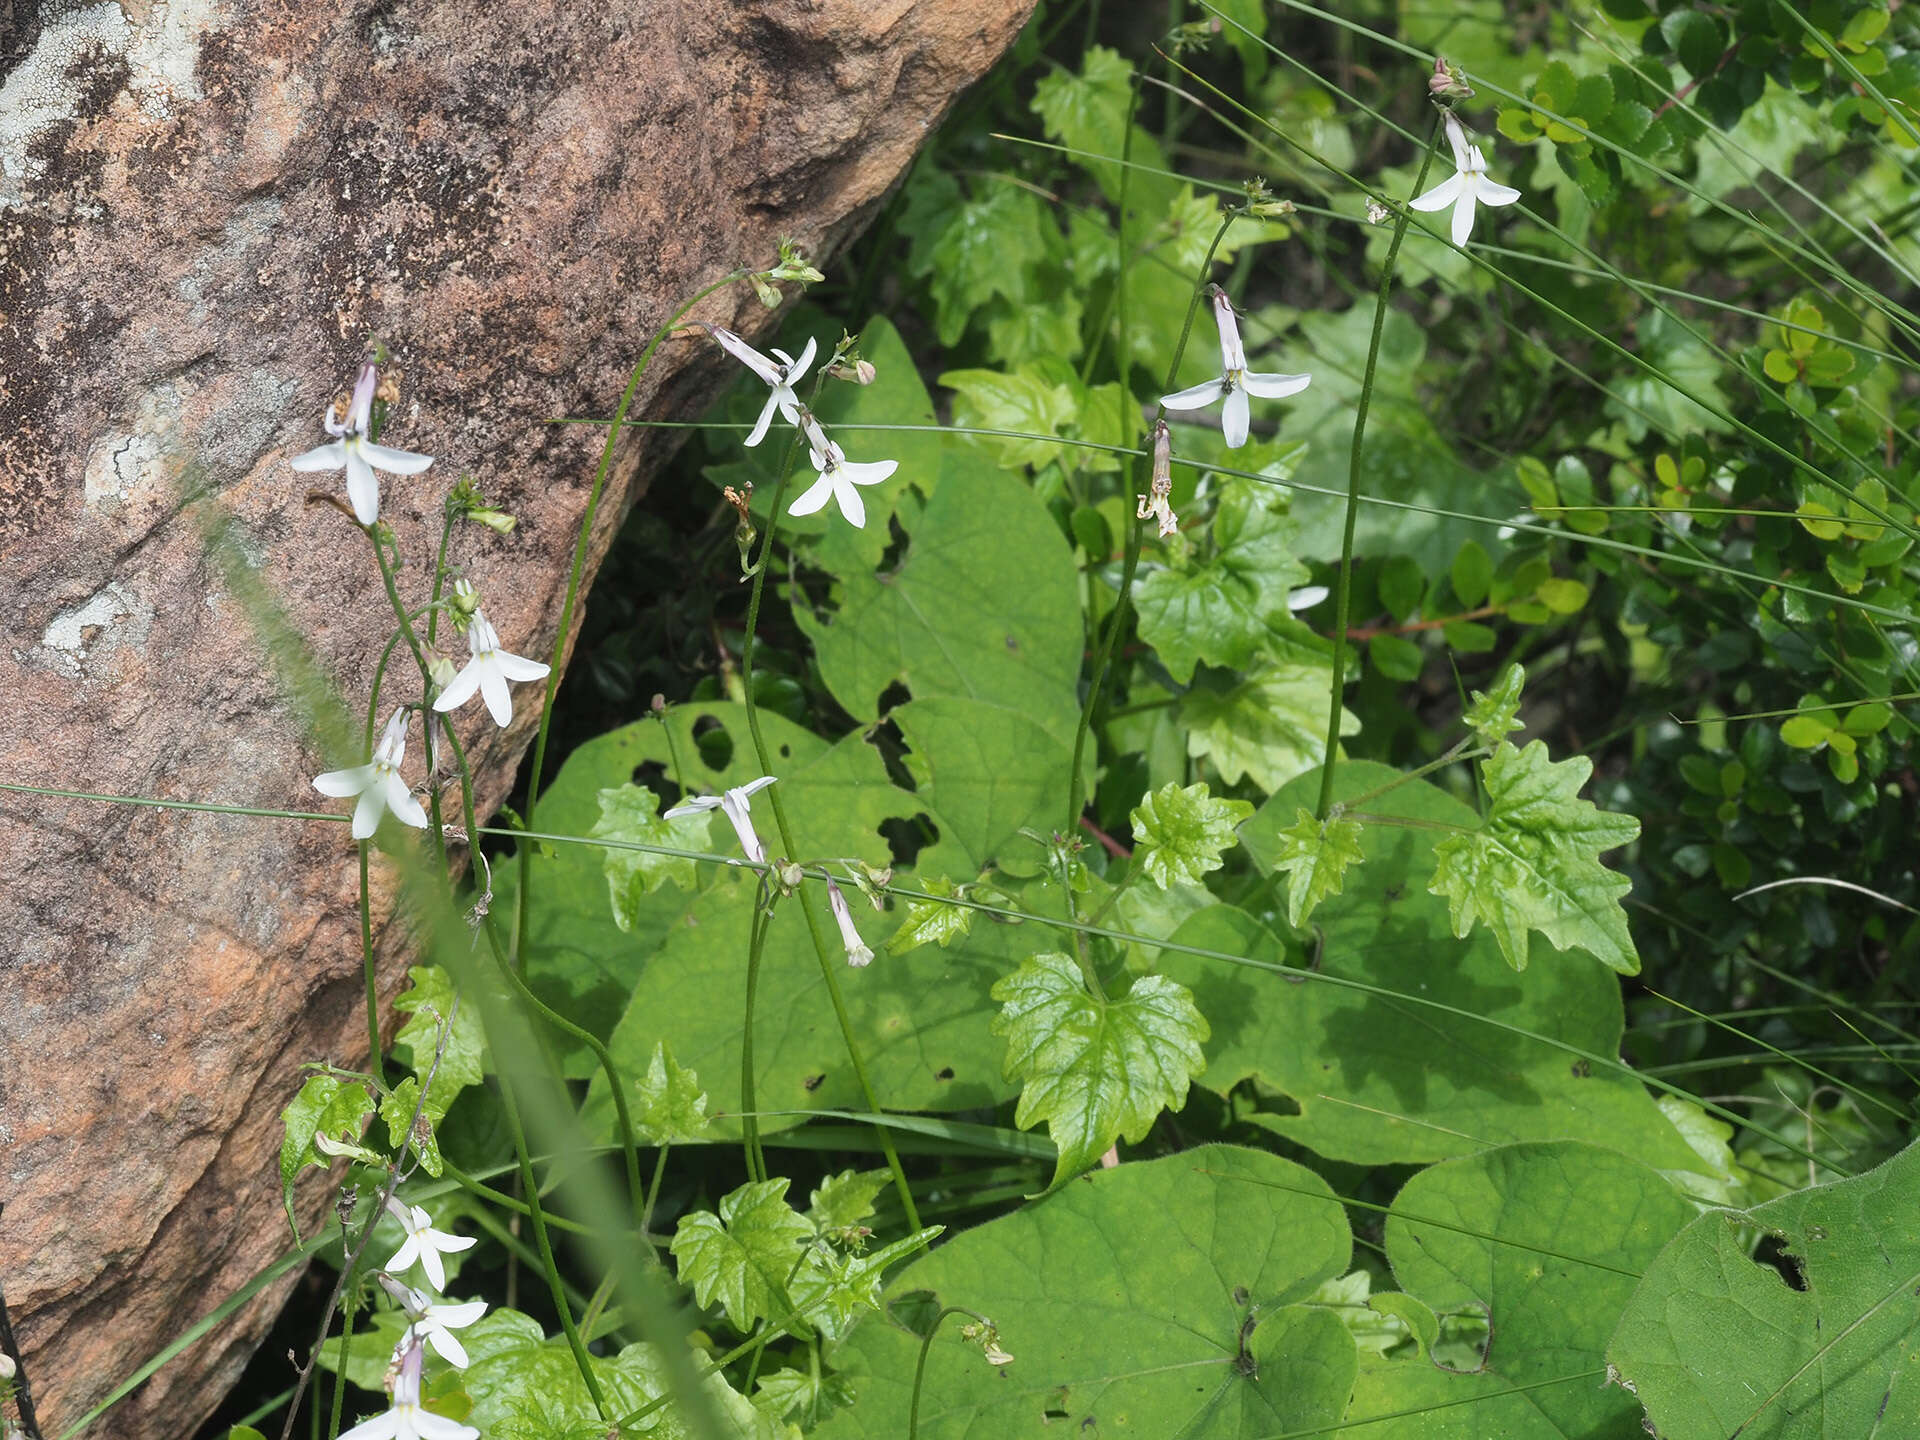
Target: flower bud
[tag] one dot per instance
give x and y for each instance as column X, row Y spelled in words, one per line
column 1447, row 84
column 441, row 668
column 769, row 295
column 7, row 1368
column 465, row 598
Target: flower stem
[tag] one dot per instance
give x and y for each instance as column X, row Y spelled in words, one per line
column 375, row 1066
column 1344, row 588
column 517, row 949
column 749, row 1098
column 920, row 1366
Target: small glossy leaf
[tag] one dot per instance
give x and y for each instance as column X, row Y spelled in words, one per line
column 1314, row 856
column 668, row 1104
column 1562, row 596
column 932, row 921
column 1181, row 832
column 745, row 1255
column 326, row 1106
column 1096, row 1070
column 1472, row 573
column 1534, row 863
column 844, row 1200
column 1493, row 715
column 1807, row 732
column 430, row 1002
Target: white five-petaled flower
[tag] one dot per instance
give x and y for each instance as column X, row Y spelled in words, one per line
column 735, row 804
column 1236, row 382
column 838, row 476
column 488, row 672
column 423, row 1242
column 432, row 1320
column 858, row 953
column 378, row 783
column 1467, row 187
column 780, row 376
column 358, row 453
column 409, row 1419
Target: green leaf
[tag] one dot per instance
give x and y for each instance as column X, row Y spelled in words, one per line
column 526, row 1387
column 429, row 1000
column 1219, row 611
column 1697, row 38
column 1562, row 596
column 781, row 1393
column 832, row 1289
column 1472, row 573
column 397, row 1109
column 1716, row 1342
column 326, row 1106
column 1806, row 732
column 1269, row 727
column 929, row 922
column 1088, row 112
column 1543, row 1245
column 745, row 1255
column 983, row 773
column 1780, row 367
column 1122, row 1299
column 842, row 1201
column 1534, row 862
column 984, row 605
column 668, row 1104
column 1180, row 833
column 1428, row 1060
column 1018, row 400
column 1314, row 855
column 995, row 245
column 1095, row 1070
column 632, row 813
column 1493, row 715
column 1396, row 657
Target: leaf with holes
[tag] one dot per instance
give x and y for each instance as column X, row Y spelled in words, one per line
column 1716, row 1342
column 1181, row 832
column 1533, row 863
column 1161, row 1299
column 1095, row 1069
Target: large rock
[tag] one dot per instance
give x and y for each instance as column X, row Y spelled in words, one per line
column 206, row 206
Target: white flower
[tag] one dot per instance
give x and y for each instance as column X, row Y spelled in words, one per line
column 408, row 1419
column 1467, row 187
column 488, row 672
column 780, row 376
column 1236, row 382
column 358, row 453
column 734, row 804
column 423, row 1242
column 432, row 1321
column 838, row 476
column 858, row 955
column 378, row 784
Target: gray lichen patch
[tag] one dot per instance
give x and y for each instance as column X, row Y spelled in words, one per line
column 112, row 617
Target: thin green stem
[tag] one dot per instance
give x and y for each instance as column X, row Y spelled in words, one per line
column 1344, row 586
column 749, row 1097
column 374, row 1063
column 537, row 771
column 920, row 1366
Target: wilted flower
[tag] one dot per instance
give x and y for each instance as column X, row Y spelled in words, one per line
column 1156, row 502
column 1377, row 214
column 779, row 376
column 358, row 453
column 1467, row 187
column 858, row 954
column 408, row 1419
column 423, row 1242
column 838, row 476
column 735, row 805
column 488, row 672
column 1235, row 382
column 378, row 783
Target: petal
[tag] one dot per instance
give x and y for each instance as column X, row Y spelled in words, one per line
column 1233, row 419
column 360, row 408
column 699, row 804
column 1194, row 396
column 458, row 1317
column 1463, row 216
column 381, row 1427
column 408, row 1252
column 851, row 505
column 800, row 366
column 394, row 462
column 362, row 488
column 754, row 787
column 518, row 667
column 366, row 815
column 1441, row 195
column 460, row 689
column 868, row 472
column 1457, row 140
column 759, row 432
column 1233, row 355
column 438, row 1427
column 323, row 457
column 342, row 783
column 815, row 499
column 451, row 1350
column 789, row 403
column 454, row 1244
column 1274, row 387
column 493, row 689
column 1494, row 193
column 400, row 801
column 746, row 354
column 430, row 1262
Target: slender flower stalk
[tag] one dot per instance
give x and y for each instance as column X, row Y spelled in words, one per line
column 1236, row 382
column 735, row 804
column 838, row 476
column 378, row 783
column 859, row 956
column 1467, row 187
column 488, row 673
column 356, row 451
column 779, row 373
